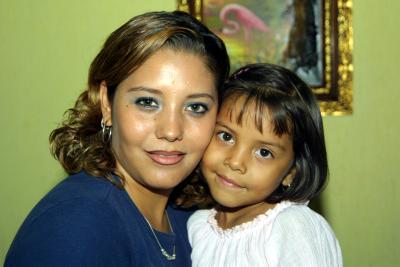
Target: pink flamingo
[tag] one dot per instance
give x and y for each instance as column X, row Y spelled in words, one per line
column 244, row 17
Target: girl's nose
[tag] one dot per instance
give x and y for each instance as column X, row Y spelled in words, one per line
column 236, row 160
column 169, row 125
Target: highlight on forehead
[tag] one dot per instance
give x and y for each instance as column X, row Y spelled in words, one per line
column 260, row 109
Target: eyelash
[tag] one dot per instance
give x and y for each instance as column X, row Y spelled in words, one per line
column 195, row 106
column 269, row 155
column 152, row 104
column 223, row 136
column 147, row 103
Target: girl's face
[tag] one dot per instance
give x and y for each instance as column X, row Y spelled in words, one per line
column 162, row 116
column 243, row 166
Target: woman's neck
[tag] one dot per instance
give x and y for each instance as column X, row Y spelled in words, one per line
column 231, row 217
column 151, row 203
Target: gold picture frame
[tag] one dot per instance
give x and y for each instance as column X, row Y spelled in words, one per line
column 333, row 18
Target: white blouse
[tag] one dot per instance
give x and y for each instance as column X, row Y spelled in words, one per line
column 290, row 234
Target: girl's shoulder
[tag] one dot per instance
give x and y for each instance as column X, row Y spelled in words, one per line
column 198, row 222
column 198, row 218
column 200, row 215
column 300, row 234
column 299, row 217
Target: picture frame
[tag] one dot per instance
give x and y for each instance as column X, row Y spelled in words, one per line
column 314, row 38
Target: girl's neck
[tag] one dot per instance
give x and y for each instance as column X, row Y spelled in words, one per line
column 231, row 217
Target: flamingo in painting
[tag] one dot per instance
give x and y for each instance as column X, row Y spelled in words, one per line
column 244, row 17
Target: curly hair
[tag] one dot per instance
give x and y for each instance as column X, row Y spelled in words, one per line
column 77, row 143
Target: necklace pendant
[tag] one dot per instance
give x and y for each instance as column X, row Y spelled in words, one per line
column 166, row 255
column 163, row 251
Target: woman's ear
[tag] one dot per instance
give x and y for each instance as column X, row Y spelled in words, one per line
column 288, row 179
column 105, row 104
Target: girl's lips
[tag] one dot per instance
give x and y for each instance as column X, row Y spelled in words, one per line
column 166, row 157
column 228, row 182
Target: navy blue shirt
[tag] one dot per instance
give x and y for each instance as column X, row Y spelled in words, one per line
column 87, row 221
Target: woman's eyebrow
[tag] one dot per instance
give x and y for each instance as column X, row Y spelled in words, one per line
column 145, row 89
column 201, row 95
column 158, row 92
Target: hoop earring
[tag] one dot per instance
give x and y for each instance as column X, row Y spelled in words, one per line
column 105, row 132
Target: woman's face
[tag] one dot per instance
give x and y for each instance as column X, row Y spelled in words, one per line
column 162, row 118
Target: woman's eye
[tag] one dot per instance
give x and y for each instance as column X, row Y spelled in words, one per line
column 197, row 108
column 226, row 137
column 264, row 153
column 147, row 103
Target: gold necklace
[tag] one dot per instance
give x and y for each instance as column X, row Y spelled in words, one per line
column 163, row 251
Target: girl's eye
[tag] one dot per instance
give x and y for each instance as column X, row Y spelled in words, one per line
column 225, row 137
column 197, row 108
column 147, row 103
column 264, row 153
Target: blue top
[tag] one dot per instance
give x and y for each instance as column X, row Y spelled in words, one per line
column 87, row 221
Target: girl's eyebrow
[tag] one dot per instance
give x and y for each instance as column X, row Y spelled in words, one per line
column 221, row 124
column 277, row 145
column 201, row 95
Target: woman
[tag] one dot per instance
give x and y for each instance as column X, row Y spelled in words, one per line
column 139, row 129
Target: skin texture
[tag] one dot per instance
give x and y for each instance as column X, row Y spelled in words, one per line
column 163, row 117
column 243, row 166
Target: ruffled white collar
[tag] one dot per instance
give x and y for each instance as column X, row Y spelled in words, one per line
column 259, row 221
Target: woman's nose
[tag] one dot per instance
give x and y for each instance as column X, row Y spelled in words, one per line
column 169, row 125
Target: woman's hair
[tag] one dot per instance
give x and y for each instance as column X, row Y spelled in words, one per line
column 77, row 144
column 291, row 107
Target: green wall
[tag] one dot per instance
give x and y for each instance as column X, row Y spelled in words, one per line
column 362, row 200
column 46, row 48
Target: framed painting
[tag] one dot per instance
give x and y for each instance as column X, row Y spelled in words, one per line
column 313, row 38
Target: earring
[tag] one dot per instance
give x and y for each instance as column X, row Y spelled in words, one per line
column 285, row 187
column 105, row 132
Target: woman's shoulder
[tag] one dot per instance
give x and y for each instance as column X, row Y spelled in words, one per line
column 75, row 216
column 76, row 194
column 82, row 185
column 78, row 198
column 78, row 188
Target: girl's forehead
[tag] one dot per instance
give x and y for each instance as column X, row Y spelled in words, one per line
column 255, row 113
column 245, row 113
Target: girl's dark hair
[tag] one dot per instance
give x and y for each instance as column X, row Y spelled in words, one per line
column 293, row 110
column 77, row 143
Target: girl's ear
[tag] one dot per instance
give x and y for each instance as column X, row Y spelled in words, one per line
column 288, row 179
column 105, row 104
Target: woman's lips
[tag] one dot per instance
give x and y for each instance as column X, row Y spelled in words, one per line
column 166, row 157
column 228, row 182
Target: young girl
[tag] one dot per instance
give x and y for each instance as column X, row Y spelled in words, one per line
column 267, row 159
